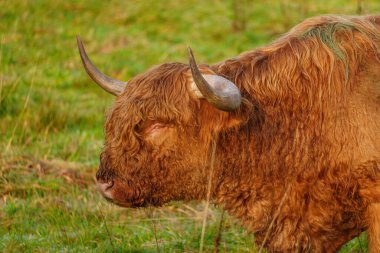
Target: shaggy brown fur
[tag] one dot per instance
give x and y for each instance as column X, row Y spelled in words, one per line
column 307, row 134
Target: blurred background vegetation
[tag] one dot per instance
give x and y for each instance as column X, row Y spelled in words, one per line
column 51, row 114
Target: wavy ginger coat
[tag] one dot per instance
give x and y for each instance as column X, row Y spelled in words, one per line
column 298, row 162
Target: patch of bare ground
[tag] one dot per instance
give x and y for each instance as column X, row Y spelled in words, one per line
column 19, row 175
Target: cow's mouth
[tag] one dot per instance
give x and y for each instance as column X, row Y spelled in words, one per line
column 132, row 204
column 135, row 204
column 118, row 193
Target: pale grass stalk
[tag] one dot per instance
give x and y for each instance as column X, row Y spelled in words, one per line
column 218, row 237
column 136, row 221
column 1, row 64
column 208, row 195
column 360, row 244
column 23, row 109
column 105, row 225
column 15, row 127
column 154, row 223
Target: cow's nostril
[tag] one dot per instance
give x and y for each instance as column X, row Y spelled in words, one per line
column 109, row 184
column 105, row 188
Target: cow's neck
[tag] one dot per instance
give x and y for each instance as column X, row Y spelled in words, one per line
column 252, row 181
column 255, row 165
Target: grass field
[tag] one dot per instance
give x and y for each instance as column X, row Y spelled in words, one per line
column 51, row 115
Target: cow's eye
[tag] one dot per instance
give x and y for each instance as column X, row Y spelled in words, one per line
column 152, row 126
column 156, row 132
column 156, row 126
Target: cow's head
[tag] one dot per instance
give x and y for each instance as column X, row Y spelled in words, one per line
column 159, row 131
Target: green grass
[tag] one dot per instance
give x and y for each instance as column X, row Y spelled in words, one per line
column 51, row 115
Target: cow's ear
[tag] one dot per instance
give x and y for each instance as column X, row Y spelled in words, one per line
column 217, row 120
column 238, row 117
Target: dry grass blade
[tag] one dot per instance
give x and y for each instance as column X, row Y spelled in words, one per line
column 218, row 237
column 24, row 108
column 208, row 195
column 154, row 223
column 108, row 232
column 274, row 218
column 1, row 62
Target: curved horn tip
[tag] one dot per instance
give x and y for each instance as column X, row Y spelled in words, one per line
column 79, row 41
column 219, row 91
column 191, row 55
column 189, row 51
column 113, row 86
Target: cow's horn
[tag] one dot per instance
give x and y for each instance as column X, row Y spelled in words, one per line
column 217, row 90
column 113, row 86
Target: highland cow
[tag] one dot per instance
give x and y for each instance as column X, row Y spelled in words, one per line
column 297, row 132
